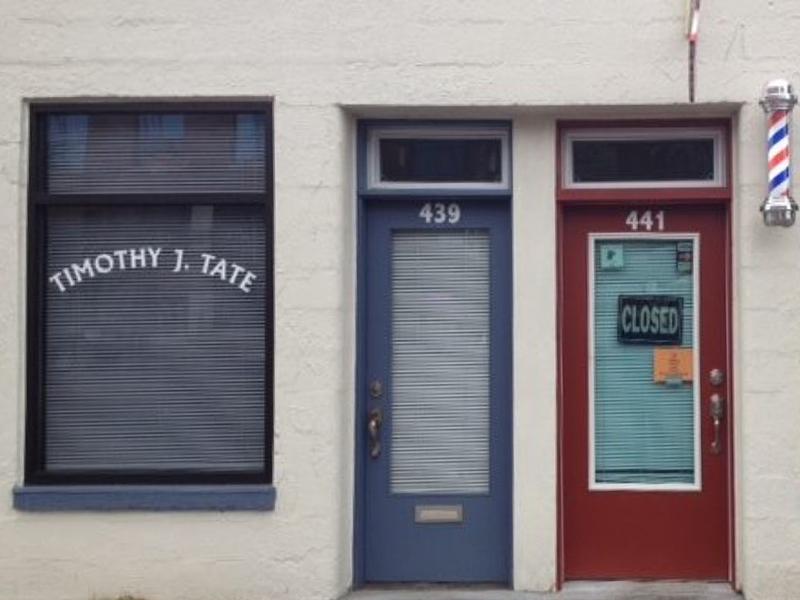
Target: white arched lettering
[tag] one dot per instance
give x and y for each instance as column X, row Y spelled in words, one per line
column 106, row 261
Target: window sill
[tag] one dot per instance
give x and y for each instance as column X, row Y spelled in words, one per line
column 51, row 498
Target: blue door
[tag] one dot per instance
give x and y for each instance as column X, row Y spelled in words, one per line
column 437, row 415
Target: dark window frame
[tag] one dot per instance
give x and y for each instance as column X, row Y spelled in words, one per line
column 38, row 201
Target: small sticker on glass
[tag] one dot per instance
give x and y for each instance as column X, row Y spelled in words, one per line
column 673, row 365
column 611, row 257
column 684, row 257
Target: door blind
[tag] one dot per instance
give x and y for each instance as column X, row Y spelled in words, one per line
column 644, row 431
column 154, row 325
column 440, row 362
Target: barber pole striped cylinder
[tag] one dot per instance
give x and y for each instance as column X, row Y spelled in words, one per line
column 778, row 101
column 778, row 153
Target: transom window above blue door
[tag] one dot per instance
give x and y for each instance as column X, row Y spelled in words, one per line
column 414, row 156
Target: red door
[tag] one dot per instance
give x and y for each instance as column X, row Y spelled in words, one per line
column 645, row 393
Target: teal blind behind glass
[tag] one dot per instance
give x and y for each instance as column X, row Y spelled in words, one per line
column 644, row 431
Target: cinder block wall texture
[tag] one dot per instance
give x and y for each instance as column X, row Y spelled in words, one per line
column 325, row 63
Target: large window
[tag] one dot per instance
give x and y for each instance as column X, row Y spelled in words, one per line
column 150, row 304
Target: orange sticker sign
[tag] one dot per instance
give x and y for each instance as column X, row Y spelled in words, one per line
column 672, row 364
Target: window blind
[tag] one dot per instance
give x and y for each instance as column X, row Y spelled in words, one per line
column 140, row 153
column 155, row 338
column 440, row 362
column 644, row 431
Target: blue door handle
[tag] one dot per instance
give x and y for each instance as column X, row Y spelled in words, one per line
column 374, row 423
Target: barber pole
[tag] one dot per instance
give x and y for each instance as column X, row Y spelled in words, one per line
column 778, row 153
column 779, row 208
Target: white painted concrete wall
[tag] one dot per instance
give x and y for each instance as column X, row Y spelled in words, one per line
column 326, row 63
column 534, row 237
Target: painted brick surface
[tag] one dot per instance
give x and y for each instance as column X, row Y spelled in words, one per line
column 326, row 63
